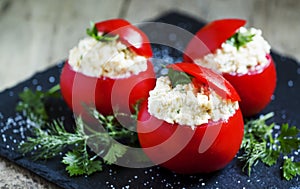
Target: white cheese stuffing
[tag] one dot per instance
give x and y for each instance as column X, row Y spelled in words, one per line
column 109, row 59
column 184, row 106
column 229, row 59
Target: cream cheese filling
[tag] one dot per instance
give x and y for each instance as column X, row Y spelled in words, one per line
column 229, row 59
column 109, row 59
column 183, row 106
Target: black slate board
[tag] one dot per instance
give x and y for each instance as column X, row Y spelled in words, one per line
column 285, row 104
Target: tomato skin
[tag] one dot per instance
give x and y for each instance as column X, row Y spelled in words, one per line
column 210, row 38
column 162, row 143
column 130, row 35
column 255, row 88
column 106, row 94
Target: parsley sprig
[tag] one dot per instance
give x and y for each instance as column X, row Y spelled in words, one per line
column 93, row 32
column 239, row 39
column 261, row 144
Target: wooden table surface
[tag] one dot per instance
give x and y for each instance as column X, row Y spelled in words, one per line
column 36, row 34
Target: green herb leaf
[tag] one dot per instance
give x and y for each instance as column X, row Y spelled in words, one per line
column 288, row 139
column 271, row 156
column 115, row 151
column 78, row 163
column 32, row 103
column 240, row 39
column 178, row 78
column 93, row 32
column 290, row 169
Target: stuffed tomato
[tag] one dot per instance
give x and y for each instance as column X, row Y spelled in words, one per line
column 109, row 70
column 241, row 55
column 191, row 122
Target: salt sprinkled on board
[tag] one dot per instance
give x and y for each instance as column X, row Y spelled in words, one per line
column 290, row 83
column 273, row 97
column 11, row 93
column 51, row 79
column 39, row 88
column 34, row 82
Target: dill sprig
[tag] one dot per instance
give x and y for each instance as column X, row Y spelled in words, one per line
column 81, row 148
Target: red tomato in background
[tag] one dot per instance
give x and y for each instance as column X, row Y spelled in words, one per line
column 176, row 147
column 255, row 88
column 105, row 93
column 180, row 148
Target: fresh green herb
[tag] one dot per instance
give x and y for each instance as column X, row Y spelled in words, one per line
column 93, row 32
column 50, row 138
column 290, row 168
column 178, row 78
column 32, row 103
column 116, row 151
column 49, row 142
column 259, row 144
column 54, row 139
column 240, row 39
column 79, row 163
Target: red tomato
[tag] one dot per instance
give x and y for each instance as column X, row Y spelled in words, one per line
column 209, row 147
column 255, row 88
column 180, row 148
column 106, row 94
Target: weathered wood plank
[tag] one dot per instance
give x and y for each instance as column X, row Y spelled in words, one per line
column 35, row 34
